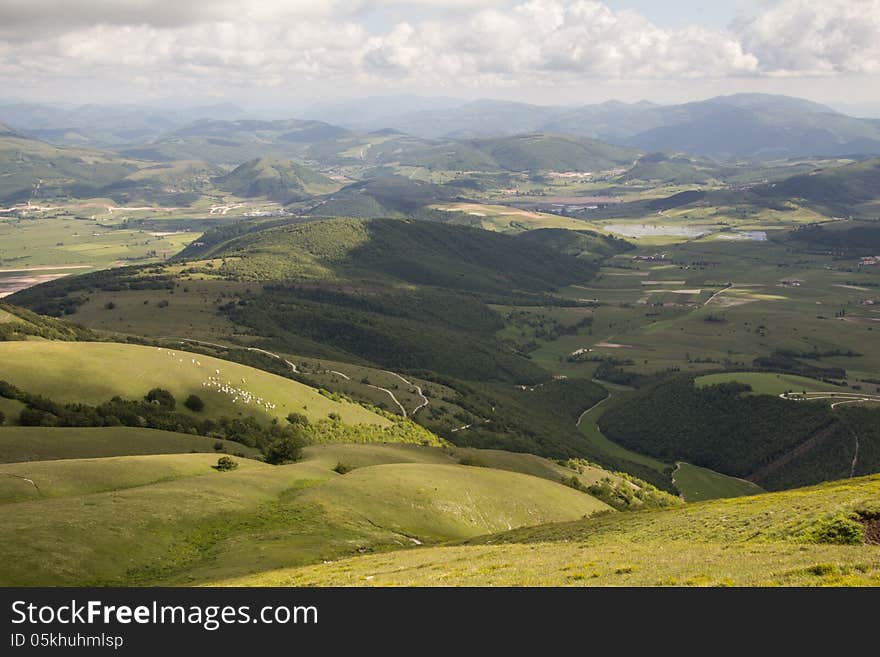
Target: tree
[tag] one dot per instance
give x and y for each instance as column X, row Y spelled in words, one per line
column 194, row 403
column 32, row 417
column 286, row 448
column 298, row 419
column 161, row 397
column 224, row 464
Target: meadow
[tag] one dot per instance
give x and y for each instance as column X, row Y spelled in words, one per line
column 779, row 539
column 177, row 520
column 103, row 370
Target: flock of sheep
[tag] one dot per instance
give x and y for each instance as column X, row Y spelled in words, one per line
column 214, row 382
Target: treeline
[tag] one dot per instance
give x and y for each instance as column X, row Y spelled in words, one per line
column 278, row 441
column 774, row 442
column 787, row 362
column 33, row 325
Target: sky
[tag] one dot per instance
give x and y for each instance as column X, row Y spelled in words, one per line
column 276, row 53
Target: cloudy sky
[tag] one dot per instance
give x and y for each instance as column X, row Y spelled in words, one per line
column 542, row 51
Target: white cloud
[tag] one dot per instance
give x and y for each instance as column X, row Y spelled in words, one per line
column 203, row 45
column 808, row 37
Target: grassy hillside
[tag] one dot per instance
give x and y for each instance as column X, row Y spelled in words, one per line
column 416, row 252
column 839, row 189
column 382, row 196
column 278, row 180
column 234, row 142
column 50, row 479
column 103, row 370
column 204, row 525
column 54, row 443
column 33, row 169
column 698, row 484
column 806, row 537
column 540, row 152
column 579, row 243
column 20, row 324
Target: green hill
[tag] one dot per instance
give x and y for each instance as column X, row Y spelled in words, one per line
column 807, row 537
column 382, row 196
column 32, row 170
column 54, row 443
column 233, row 142
column 104, row 369
column 278, row 180
column 578, row 243
column 200, row 525
column 541, row 152
column 41, row 480
column 403, row 294
column 838, row 189
column 18, row 324
column 673, row 169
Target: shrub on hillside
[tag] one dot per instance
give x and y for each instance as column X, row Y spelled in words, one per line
column 161, row 397
column 224, row 464
column 285, row 449
column 298, row 419
column 840, row 529
column 194, row 403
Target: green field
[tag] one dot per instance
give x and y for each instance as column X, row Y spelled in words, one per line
column 55, row 443
column 176, row 520
column 102, row 370
column 764, row 383
column 49, row 479
column 93, row 243
column 767, row 540
column 699, row 484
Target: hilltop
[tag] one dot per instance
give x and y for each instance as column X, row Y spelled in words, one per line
column 277, row 180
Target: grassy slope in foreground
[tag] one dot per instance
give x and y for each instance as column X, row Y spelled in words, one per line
column 53, row 443
column 93, row 372
column 213, row 525
column 761, row 540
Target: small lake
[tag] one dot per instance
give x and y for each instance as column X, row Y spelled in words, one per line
column 656, row 230
column 745, row 235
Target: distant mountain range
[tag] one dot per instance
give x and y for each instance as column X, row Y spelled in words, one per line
column 741, row 126
column 98, row 126
column 737, row 127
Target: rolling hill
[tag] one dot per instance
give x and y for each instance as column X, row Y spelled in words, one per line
column 234, row 142
column 31, row 169
column 103, row 370
column 836, row 190
column 278, row 180
column 180, row 521
column 822, row 536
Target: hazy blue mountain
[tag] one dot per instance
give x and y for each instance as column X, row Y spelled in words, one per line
column 740, row 126
column 106, row 125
